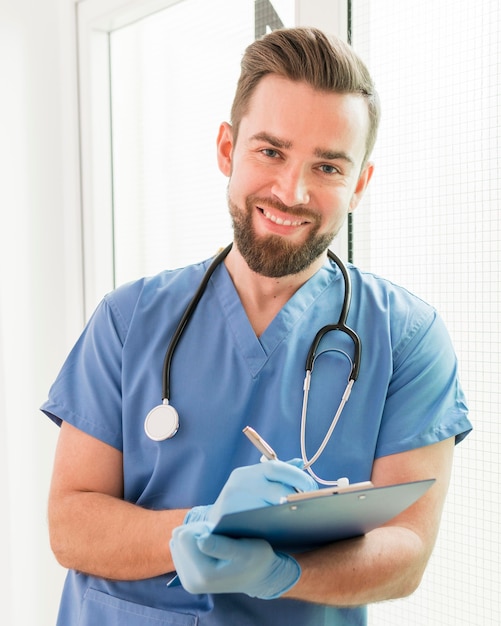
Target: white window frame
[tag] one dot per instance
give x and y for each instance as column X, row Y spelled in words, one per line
column 96, row 19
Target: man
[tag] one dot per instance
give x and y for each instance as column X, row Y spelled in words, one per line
column 126, row 511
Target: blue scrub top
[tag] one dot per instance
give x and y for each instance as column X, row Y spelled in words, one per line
column 223, row 378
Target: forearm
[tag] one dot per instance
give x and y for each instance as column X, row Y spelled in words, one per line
column 104, row 536
column 387, row 563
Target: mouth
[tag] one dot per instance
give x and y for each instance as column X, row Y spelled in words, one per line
column 280, row 221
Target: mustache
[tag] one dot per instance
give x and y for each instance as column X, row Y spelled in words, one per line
column 296, row 211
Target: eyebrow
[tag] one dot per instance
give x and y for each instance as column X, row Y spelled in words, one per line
column 329, row 155
column 276, row 142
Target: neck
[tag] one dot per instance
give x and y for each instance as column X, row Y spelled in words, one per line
column 263, row 297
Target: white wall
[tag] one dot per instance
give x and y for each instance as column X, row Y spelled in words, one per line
column 40, row 284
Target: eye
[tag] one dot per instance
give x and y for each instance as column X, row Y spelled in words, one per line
column 270, row 152
column 329, row 169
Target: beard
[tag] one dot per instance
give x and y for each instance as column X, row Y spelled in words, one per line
column 271, row 255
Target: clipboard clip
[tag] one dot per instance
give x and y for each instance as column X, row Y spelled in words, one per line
column 341, row 487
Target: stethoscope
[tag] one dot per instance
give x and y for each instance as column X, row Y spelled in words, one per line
column 162, row 422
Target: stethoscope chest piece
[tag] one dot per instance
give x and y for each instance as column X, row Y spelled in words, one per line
column 162, row 422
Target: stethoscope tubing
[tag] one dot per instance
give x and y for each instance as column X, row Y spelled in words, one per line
column 168, row 414
column 340, row 325
column 187, row 315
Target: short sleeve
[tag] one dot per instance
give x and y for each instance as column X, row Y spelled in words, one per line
column 425, row 403
column 87, row 391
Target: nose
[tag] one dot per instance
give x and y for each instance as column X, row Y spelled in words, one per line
column 291, row 186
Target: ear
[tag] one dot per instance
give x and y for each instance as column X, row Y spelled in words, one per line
column 225, row 148
column 362, row 183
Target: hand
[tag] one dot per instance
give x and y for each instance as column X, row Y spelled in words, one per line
column 207, row 563
column 255, row 486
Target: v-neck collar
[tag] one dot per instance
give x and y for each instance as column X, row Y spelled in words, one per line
column 256, row 350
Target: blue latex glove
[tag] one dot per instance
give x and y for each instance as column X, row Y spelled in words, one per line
column 207, row 563
column 255, row 486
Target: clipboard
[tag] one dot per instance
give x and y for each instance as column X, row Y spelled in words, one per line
column 309, row 520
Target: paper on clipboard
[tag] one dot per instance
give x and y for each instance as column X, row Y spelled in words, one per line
column 305, row 522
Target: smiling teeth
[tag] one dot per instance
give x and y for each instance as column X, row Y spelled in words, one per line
column 280, row 221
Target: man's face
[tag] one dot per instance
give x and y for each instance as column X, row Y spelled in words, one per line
column 294, row 172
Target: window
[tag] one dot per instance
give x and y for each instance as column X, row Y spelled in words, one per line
column 431, row 222
column 172, row 79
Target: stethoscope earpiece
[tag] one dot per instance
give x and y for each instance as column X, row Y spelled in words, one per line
column 162, row 422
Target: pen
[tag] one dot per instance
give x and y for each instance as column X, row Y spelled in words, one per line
column 263, row 447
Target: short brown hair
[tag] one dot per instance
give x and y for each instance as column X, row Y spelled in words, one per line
column 307, row 55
